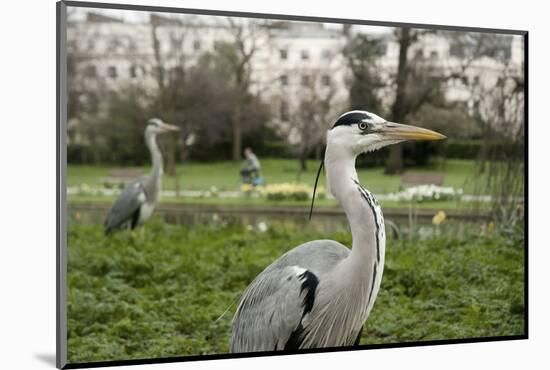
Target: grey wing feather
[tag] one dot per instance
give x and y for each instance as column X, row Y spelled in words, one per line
column 126, row 205
column 271, row 309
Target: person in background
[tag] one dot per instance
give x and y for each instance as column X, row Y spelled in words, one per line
column 250, row 171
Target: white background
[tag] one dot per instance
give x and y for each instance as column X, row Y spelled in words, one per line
column 27, row 182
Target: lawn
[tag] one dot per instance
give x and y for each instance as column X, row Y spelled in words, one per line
column 163, row 293
column 225, row 175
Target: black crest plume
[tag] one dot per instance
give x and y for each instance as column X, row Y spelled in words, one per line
column 315, row 189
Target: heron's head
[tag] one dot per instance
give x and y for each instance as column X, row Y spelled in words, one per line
column 157, row 126
column 361, row 132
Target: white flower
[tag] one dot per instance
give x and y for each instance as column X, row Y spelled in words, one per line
column 423, row 193
column 262, row 227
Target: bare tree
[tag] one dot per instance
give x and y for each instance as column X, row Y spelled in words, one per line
column 371, row 82
column 366, row 84
column 247, row 36
column 500, row 108
column 303, row 120
column 420, row 80
column 86, row 87
column 169, row 72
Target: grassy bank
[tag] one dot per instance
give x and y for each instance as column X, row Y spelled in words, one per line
column 225, row 175
column 432, row 205
column 159, row 294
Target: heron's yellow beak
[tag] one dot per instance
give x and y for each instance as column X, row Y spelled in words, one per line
column 398, row 131
column 169, row 127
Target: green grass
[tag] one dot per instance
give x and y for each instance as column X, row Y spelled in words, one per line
column 225, row 175
column 433, row 205
column 159, row 295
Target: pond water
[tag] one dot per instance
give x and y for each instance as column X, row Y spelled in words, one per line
column 397, row 225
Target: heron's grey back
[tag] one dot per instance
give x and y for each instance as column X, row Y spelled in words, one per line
column 271, row 309
column 126, row 205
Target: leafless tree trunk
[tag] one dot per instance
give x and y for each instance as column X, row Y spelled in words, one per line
column 168, row 83
column 394, row 163
column 245, row 41
column 310, row 117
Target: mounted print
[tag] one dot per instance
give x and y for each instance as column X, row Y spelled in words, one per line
column 239, row 184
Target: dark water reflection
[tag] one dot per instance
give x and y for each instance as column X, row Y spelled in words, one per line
column 80, row 216
column 397, row 226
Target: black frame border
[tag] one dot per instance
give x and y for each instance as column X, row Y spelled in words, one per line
column 61, row 163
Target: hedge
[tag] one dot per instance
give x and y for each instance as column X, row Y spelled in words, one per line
column 471, row 149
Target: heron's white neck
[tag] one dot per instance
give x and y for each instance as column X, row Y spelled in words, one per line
column 156, row 158
column 355, row 280
column 361, row 272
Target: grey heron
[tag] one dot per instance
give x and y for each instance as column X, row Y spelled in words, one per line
column 138, row 199
column 321, row 293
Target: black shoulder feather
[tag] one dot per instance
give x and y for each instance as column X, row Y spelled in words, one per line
column 309, row 286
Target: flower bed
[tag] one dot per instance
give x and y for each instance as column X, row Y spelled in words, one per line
column 424, row 193
column 291, row 191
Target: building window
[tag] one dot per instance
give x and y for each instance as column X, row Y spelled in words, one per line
column 112, row 72
column 92, row 101
column 305, row 80
column 326, row 54
column 418, row 54
column 434, row 54
column 284, row 80
column 91, row 45
column 175, row 43
column 325, row 80
column 305, row 55
column 196, row 45
column 283, row 53
column 114, row 45
column 284, row 111
column 132, row 47
column 133, row 71
column 90, row 71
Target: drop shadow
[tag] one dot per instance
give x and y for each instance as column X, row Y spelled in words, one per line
column 47, row 358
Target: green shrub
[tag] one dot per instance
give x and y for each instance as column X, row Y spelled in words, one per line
column 163, row 292
column 471, row 149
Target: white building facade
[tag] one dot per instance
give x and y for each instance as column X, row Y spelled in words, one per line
column 291, row 59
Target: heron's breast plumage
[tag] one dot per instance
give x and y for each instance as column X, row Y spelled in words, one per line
column 145, row 212
column 347, row 294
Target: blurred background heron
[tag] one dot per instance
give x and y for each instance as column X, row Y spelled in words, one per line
column 138, row 199
column 320, row 293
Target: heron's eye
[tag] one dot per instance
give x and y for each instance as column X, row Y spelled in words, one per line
column 362, row 126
